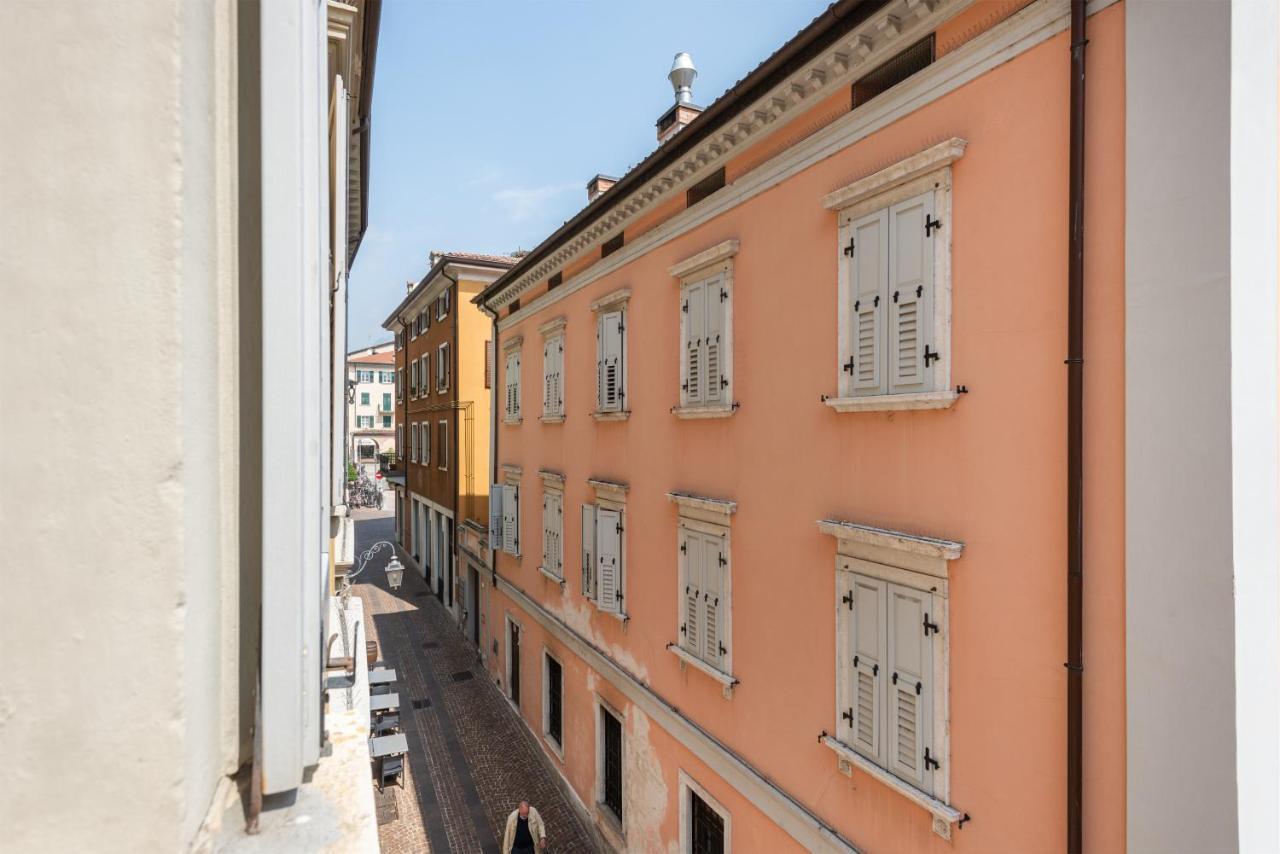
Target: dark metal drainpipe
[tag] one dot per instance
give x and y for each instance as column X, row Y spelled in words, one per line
column 1075, row 438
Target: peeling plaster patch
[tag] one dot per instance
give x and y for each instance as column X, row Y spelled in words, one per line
column 576, row 614
column 646, row 794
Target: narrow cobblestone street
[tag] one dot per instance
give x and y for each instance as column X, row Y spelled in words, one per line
column 471, row 760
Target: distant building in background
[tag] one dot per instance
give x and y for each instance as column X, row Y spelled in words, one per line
column 444, row 368
column 183, row 197
column 371, row 405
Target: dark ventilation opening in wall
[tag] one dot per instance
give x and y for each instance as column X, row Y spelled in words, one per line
column 705, row 187
column 894, row 71
column 612, row 245
column 515, row 306
column 554, row 281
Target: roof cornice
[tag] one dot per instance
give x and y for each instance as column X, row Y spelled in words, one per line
column 472, row 269
column 866, row 44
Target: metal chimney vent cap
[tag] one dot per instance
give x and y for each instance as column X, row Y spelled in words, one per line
column 681, row 77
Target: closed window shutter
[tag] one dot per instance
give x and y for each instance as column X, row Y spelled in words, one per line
column 910, row 686
column 589, row 551
column 863, row 716
column 713, row 346
column 488, row 364
column 516, row 403
column 691, row 614
column 694, row 343
column 558, row 526
column 548, row 370
column 609, row 560
column 712, row 599
column 910, row 295
column 869, row 282
column 496, row 491
column 559, row 385
column 510, row 520
column 547, row 563
column 513, row 387
column 612, row 395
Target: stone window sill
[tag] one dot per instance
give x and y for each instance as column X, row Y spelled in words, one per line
column 719, row 410
column 552, row 419
column 512, row 421
column 551, row 575
column 611, row 416
column 944, row 815
column 687, row 659
column 894, row 402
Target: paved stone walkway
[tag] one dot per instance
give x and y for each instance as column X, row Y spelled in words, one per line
column 471, row 759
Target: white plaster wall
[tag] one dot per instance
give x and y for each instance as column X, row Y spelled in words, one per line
column 1178, row 547
column 115, row 723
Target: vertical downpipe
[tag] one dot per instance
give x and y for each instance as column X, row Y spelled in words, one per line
column 1075, row 466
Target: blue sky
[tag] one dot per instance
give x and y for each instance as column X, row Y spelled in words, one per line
column 490, row 116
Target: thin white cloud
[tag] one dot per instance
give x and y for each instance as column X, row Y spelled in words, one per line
column 522, row 203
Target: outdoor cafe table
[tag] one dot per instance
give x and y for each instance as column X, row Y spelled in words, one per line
column 382, row 676
column 384, row 703
column 388, row 745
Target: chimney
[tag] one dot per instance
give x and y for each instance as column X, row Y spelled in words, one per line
column 598, row 185
column 408, row 285
column 683, row 110
column 435, row 257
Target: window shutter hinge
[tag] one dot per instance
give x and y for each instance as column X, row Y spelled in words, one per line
column 931, row 761
column 684, row 306
column 724, row 295
column 848, row 600
column 928, row 626
column 619, row 527
column 848, row 715
column 876, row 304
column 622, row 328
column 682, row 629
column 930, row 224
column 684, row 549
column 848, row 250
column 722, row 650
column 895, row 296
column 919, row 291
column 724, row 382
column 723, row 562
column 848, row 366
column 928, row 355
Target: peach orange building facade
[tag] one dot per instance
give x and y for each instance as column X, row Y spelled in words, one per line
column 783, row 453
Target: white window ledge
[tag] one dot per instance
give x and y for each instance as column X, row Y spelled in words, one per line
column 849, row 759
column 552, row 419
column 611, row 416
column 726, row 681
column 511, row 421
column 897, row 540
column 719, row 410
column 894, row 402
column 558, row 579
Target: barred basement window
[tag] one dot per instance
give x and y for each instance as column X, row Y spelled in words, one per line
column 553, row 700
column 705, row 187
column 611, row 763
column 896, row 69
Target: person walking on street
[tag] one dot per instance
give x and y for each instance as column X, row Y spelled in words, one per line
column 525, row 832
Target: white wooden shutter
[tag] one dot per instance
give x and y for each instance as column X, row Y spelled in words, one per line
column 510, row 519
column 867, row 667
column 548, row 371
column 559, row 377
column 516, row 402
column 496, row 491
column 691, row 609
column 713, row 637
column 589, row 551
column 558, row 527
column 612, row 395
column 910, row 289
column 548, row 565
column 910, row 686
column 489, row 364
column 868, row 286
column 714, row 375
column 512, row 385
column 694, row 307
column 609, row 560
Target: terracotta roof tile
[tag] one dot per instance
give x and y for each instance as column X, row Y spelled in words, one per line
column 373, row 359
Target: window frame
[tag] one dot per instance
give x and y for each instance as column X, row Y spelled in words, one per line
column 552, row 488
column 442, row 444
column 553, row 334
column 926, row 172
column 556, row 744
column 707, row 517
column 697, row 270
column 921, row 564
column 511, row 696
column 424, row 375
column 413, row 442
column 424, row 442
column 511, row 385
column 444, row 368
column 615, row 822
column 689, row 787
column 611, row 496
column 616, row 302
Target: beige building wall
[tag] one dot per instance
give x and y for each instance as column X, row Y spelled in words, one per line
column 475, row 330
column 120, row 614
